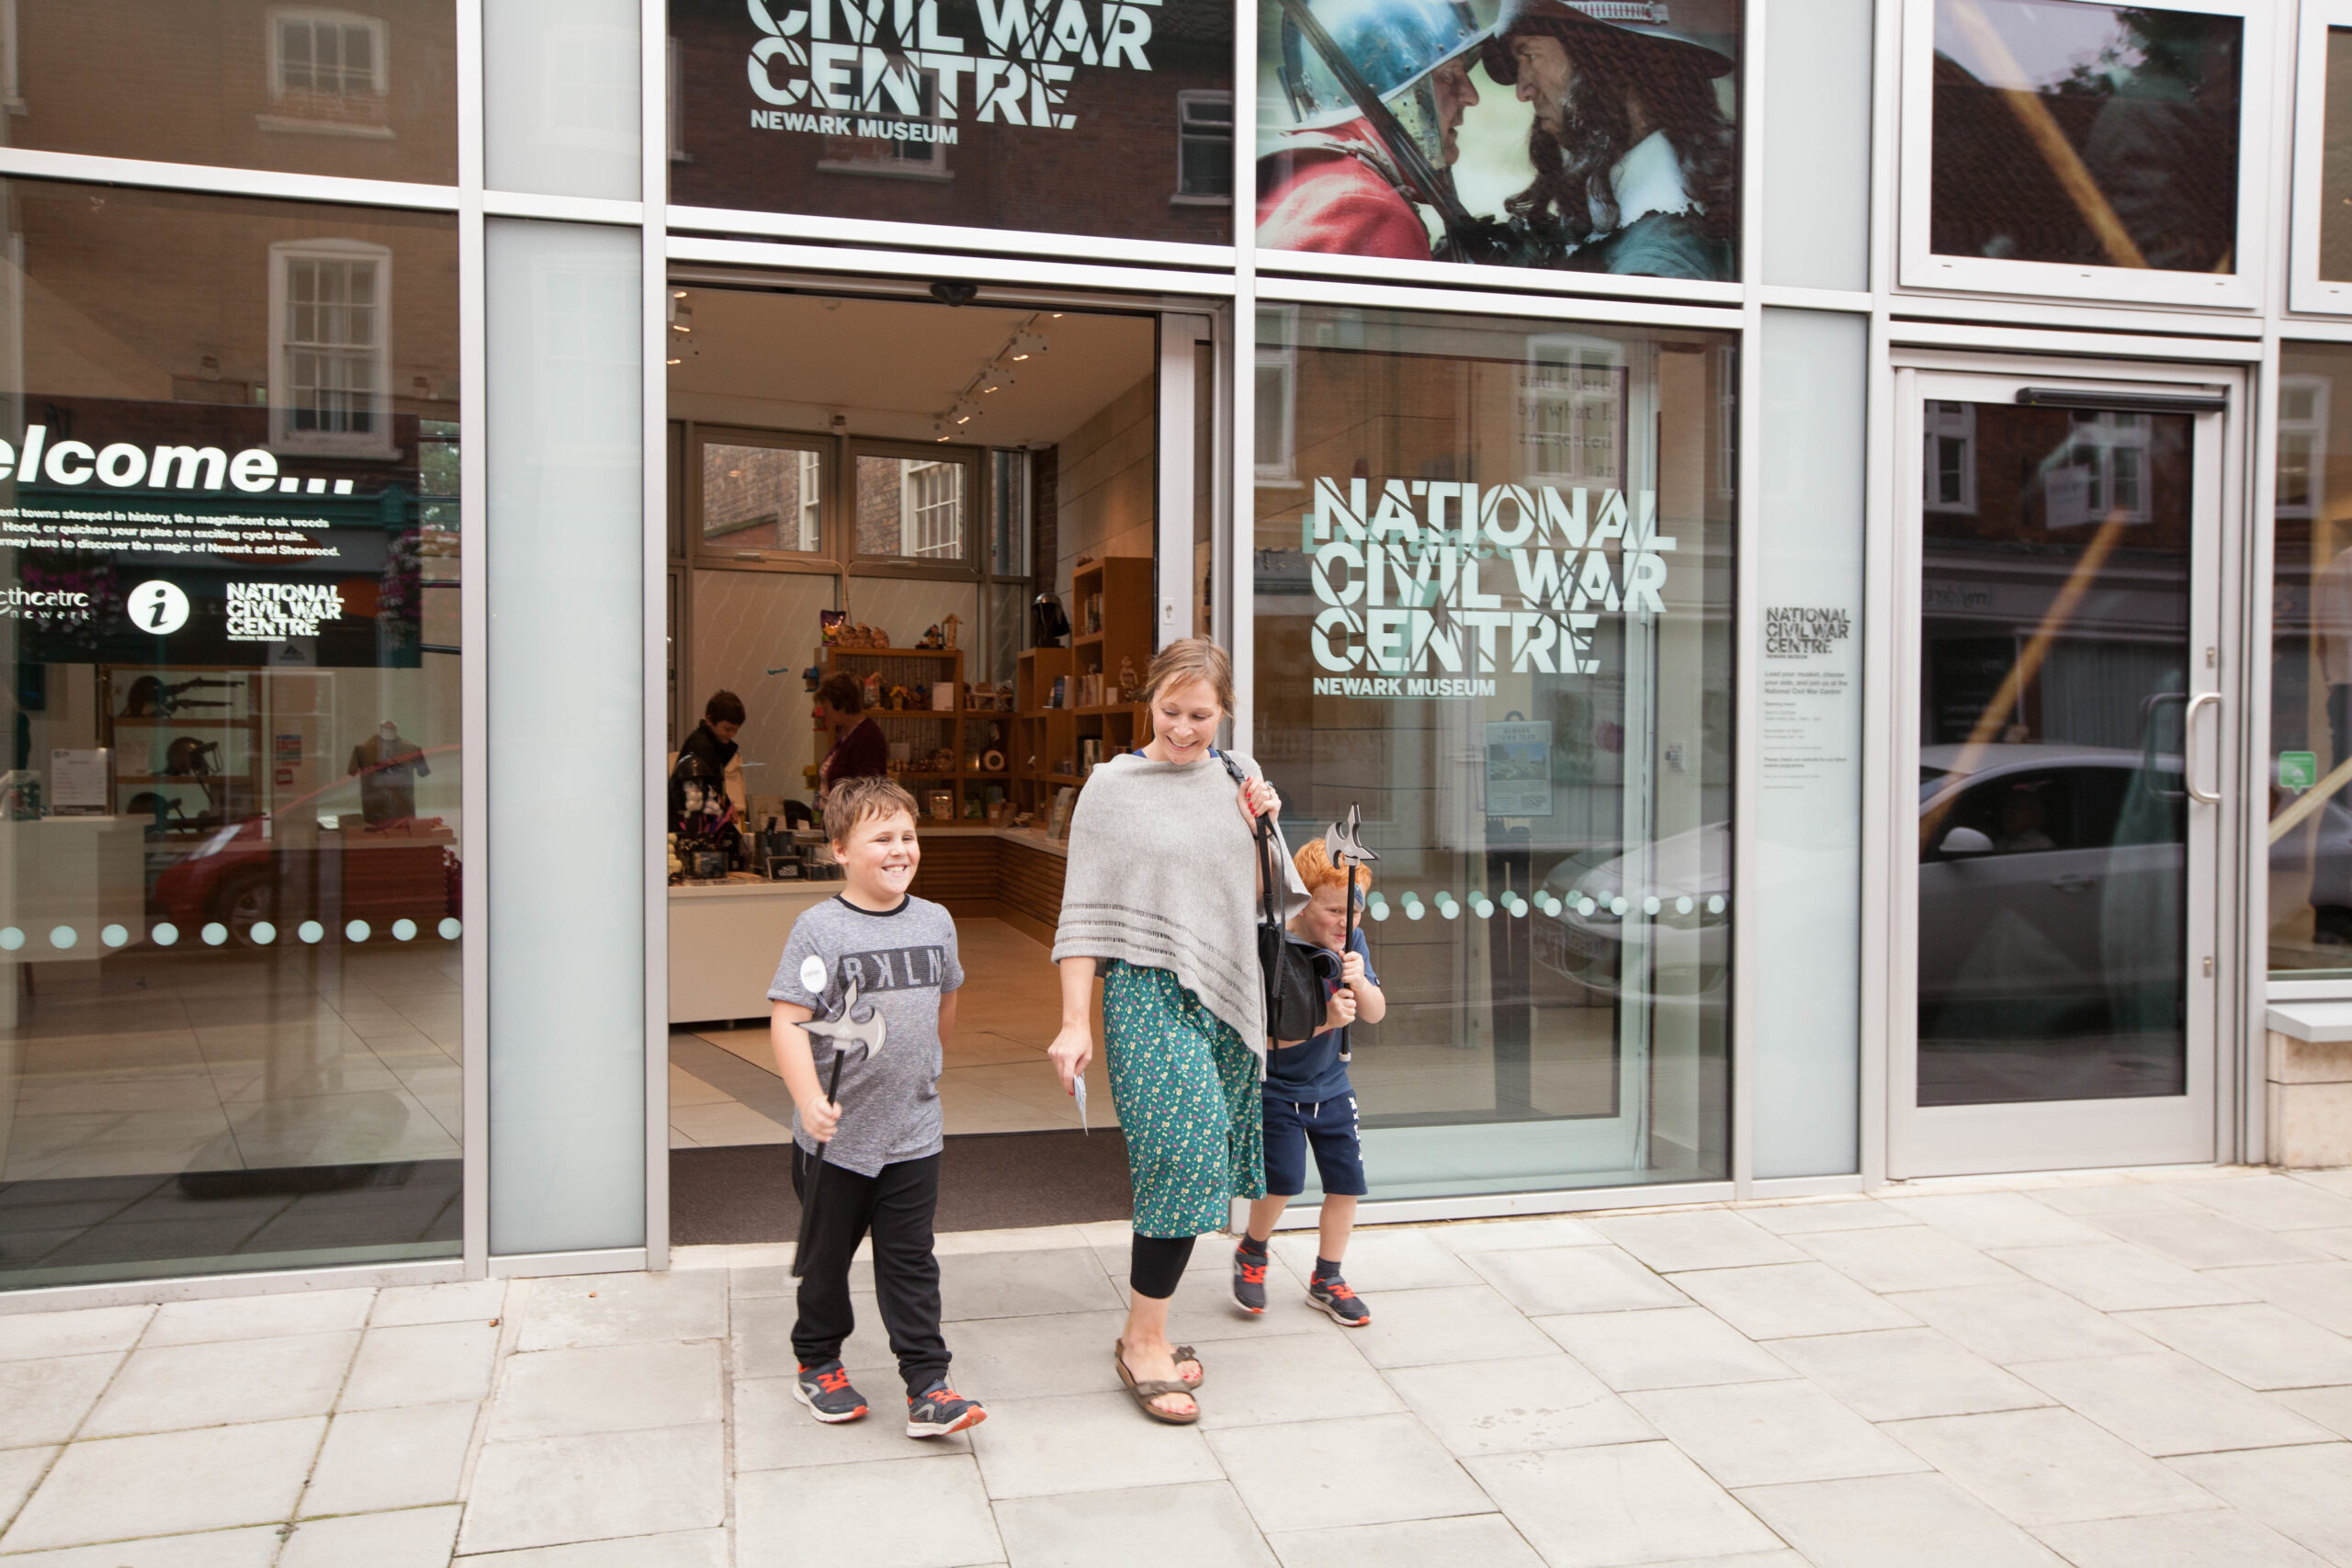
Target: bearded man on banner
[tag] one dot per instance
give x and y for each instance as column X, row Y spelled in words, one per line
column 1637, row 165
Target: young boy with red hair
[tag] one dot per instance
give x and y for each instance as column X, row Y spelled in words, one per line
column 1309, row 1102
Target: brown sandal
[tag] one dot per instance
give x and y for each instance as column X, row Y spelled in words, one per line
column 1144, row 1392
column 1186, row 1353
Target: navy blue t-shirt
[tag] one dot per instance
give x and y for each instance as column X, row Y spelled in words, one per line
column 1312, row 1072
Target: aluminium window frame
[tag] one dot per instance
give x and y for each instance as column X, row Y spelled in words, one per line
column 1186, row 97
column 2306, row 289
column 700, row 555
column 379, row 445
column 2068, row 283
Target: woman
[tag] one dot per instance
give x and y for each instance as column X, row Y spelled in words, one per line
column 1161, row 892
column 860, row 749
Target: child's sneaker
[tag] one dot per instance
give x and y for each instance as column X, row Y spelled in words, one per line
column 825, row 1390
column 1331, row 1293
column 1249, row 1279
column 939, row 1410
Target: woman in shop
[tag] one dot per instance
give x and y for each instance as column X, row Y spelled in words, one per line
column 1161, row 896
column 860, row 749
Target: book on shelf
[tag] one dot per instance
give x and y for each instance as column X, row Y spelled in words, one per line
column 1060, row 693
column 1059, row 825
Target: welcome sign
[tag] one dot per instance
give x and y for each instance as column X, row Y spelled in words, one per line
column 1430, row 586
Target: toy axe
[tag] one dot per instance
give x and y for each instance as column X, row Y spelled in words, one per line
column 845, row 1033
column 1343, row 843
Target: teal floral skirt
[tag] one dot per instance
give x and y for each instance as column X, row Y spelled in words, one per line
column 1187, row 1091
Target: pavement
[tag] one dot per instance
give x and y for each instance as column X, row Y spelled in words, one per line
column 2119, row 1369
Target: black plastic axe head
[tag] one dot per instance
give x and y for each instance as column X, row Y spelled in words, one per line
column 1343, row 842
column 847, row 1032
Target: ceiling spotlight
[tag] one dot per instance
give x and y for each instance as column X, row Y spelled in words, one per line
column 678, row 294
column 965, row 412
column 993, row 380
column 676, row 362
column 1025, row 345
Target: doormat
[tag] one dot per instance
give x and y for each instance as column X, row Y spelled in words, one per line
column 986, row 1181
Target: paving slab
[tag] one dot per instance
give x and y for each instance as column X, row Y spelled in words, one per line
column 2303, row 1493
column 1085, row 1442
column 2117, row 1276
column 1514, row 1406
column 1462, row 1322
column 1761, row 1434
column 167, row 1387
column 551, row 1491
column 46, row 1401
column 615, row 1308
column 20, row 1471
column 1895, row 1374
column 1704, row 1239
column 2111, row 1198
column 2165, row 1404
column 2177, row 1540
column 2259, row 1344
column 2024, row 1322
column 1300, row 1377
column 168, row 1484
column 426, row 1363
column 2331, row 1407
column 2275, row 1202
column 412, row 1538
column 1321, row 1474
column 1779, row 1300
column 607, row 1388
column 2201, row 1238
column 2048, row 1467
column 1635, row 1503
column 1668, row 1348
column 1474, row 1541
column 38, row 1336
column 1199, row 1526
column 454, row 1302
column 1506, row 1236
column 917, row 1513
column 213, row 1549
column 774, row 1431
column 1824, row 1214
column 258, row 1317
column 1026, row 1284
column 1575, row 1278
column 681, row 1549
column 2319, row 1291
column 410, row 1457
column 1895, row 1521
column 1996, row 1219
column 1914, row 1258
column 1381, row 1259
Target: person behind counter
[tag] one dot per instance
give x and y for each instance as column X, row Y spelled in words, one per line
column 710, row 754
column 860, row 749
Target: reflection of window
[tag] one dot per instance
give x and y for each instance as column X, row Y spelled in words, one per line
column 2302, row 445
column 757, row 499
column 2100, row 471
column 1277, row 393
column 910, row 96
column 1205, row 147
column 331, row 55
column 329, row 309
column 1950, row 456
column 911, row 507
column 1573, row 401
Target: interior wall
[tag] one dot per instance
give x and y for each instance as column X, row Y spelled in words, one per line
column 1106, row 491
column 746, row 624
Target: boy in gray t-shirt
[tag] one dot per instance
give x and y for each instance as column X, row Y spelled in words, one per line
column 882, row 1136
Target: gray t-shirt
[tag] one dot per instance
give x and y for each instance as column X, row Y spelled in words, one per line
column 903, row 963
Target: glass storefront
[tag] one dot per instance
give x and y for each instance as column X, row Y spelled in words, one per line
column 231, row 1035
column 1494, row 584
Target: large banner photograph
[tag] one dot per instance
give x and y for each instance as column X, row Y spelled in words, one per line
column 1580, row 135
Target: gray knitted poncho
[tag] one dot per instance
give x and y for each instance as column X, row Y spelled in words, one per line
column 1160, row 875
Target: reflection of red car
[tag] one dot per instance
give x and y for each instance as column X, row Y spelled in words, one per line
column 283, row 868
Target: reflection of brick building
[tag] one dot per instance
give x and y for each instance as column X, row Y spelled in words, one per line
column 1115, row 173
column 366, row 90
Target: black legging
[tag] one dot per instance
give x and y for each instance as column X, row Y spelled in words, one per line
column 1157, row 1264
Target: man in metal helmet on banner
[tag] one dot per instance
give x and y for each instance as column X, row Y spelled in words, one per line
column 1637, row 164
column 1377, row 89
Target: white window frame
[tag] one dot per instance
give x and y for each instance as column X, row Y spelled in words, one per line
column 1585, row 352
column 2241, row 289
column 933, row 166
column 380, row 75
column 2100, row 439
column 377, row 443
column 2306, row 290
column 1283, row 360
column 1938, row 422
column 1185, row 98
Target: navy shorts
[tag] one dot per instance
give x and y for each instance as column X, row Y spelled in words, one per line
column 1292, row 1125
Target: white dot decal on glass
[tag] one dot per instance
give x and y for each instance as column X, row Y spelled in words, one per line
column 309, row 930
column 263, row 933
column 1716, row 905
column 358, row 930
column 404, row 931
column 1378, row 911
column 115, row 936
column 1650, row 905
column 214, row 933
column 450, row 927
column 1480, row 906
column 1447, row 907
column 1618, row 905
column 11, row 938
column 1586, row 905
column 1682, row 905
column 164, row 935
column 63, row 937
column 1413, row 910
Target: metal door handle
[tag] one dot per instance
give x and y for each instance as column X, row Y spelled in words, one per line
column 2189, row 750
column 2073, row 882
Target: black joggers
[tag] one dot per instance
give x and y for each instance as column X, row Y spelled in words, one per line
column 896, row 1205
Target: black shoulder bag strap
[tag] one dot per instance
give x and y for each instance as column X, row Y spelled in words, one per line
column 1292, row 972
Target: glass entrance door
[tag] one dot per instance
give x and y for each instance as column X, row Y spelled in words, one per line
column 2061, row 673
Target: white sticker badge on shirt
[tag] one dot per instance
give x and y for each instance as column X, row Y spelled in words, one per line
column 812, row 975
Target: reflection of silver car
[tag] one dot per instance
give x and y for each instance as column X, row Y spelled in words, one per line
column 1679, row 907
column 2050, row 871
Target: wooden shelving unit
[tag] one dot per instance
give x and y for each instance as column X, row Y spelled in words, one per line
column 1111, row 615
column 229, row 719
column 961, row 732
